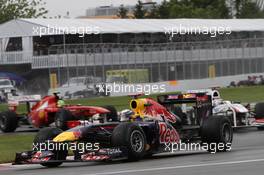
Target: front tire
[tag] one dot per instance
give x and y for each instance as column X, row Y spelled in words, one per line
column 49, row 134
column 131, row 139
column 8, row 121
column 216, row 131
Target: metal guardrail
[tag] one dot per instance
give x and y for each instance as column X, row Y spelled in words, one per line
column 165, row 61
column 144, row 57
column 18, row 57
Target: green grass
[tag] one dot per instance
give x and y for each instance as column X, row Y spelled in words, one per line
column 11, row 143
column 244, row 94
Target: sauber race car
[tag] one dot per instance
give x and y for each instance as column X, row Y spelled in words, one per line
column 150, row 127
column 50, row 109
column 249, row 115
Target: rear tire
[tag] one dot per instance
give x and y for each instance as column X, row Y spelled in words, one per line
column 131, row 139
column 61, row 118
column 49, row 134
column 216, row 131
column 259, row 110
column 112, row 116
column 261, row 128
column 8, row 121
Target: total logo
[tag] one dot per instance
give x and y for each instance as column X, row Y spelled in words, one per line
column 168, row 135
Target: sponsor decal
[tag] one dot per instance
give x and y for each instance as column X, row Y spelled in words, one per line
column 189, row 96
column 173, row 97
column 168, row 135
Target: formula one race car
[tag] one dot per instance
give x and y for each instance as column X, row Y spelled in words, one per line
column 249, row 115
column 50, row 109
column 151, row 127
column 242, row 116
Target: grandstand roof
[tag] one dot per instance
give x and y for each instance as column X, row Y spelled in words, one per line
column 26, row 27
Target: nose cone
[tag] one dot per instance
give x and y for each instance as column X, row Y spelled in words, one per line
column 66, row 137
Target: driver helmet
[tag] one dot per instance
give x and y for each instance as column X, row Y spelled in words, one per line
column 60, row 103
column 125, row 115
column 217, row 102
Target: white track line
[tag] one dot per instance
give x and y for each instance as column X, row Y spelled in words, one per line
column 178, row 167
column 6, row 164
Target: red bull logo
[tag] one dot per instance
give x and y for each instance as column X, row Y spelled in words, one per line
column 168, row 135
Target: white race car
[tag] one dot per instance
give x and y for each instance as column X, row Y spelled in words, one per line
column 240, row 115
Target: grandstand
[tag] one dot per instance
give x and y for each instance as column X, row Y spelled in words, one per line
column 190, row 53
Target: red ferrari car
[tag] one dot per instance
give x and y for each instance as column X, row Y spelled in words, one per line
column 43, row 112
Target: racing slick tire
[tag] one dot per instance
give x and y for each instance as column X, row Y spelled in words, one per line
column 8, row 121
column 131, row 139
column 259, row 110
column 44, row 135
column 217, row 133
column 61, row 118
column 260, row 128
column 112, row 116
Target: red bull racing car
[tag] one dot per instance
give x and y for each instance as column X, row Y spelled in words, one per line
column 43, row 112
column 150, row 127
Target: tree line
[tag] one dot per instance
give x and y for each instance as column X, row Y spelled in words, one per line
column 12, row 9
column 206, row 9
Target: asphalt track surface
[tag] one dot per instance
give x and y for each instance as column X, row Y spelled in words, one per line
column 245, row 158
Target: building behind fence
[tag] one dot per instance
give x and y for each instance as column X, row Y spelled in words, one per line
column 169, row 59
column 164, row 62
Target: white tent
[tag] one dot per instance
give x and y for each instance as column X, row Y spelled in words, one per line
column 27, row 27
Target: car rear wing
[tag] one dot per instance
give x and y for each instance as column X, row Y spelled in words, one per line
column 184, row 98
column 24, row 98
column 14, row 101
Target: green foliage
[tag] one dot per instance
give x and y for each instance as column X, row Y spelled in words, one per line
column 198, row 9
column 207, row 9
column 139, row 11
column 248, row 9
column 122, row 12
column 164, row 10
column 13, row 9
column 153, row 13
